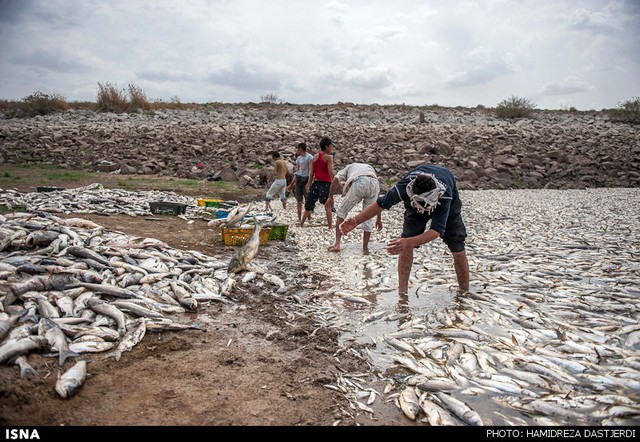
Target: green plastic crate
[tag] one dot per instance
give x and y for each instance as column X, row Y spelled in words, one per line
column 278, row 233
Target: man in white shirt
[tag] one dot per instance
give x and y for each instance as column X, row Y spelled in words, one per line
column 359, row 183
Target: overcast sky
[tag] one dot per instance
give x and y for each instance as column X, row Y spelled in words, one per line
column 559, row 54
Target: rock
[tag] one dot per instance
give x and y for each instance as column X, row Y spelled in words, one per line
column 228, row 174
column 245, row 181
column 128, row 170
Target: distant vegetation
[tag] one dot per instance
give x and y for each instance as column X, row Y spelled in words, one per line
column 35, row 104
column 112, row 98
column 515, row 107
column 271, row 100
column 627, row 112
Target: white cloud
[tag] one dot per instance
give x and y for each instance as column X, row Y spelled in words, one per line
column 482, row 66
column 569, row 85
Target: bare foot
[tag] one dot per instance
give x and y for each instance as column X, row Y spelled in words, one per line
column 334, row 248
column 330, row 227
column 365, row 251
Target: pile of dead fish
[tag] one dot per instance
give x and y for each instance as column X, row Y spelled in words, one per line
column 549, row 333
column 94, row 198
column 70, row 287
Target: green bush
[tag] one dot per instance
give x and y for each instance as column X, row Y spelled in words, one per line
column 515, row 107
column 627, row 112
column 37, row 103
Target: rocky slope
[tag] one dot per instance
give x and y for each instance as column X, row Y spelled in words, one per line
column 232, row 141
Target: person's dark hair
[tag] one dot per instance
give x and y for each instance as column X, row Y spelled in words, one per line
column 324, row 143
column 275, row 154
column 303, row 146
column 423, row 184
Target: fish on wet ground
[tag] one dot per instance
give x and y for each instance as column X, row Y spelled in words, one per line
column 71, row 380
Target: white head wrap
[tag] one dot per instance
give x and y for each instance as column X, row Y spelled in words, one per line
column 428, row 201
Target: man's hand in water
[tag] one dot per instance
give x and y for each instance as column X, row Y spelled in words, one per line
column 347, row 225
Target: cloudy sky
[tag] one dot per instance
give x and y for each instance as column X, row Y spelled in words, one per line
column 557, row 53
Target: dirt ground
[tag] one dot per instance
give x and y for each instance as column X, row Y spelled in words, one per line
column 251, row 366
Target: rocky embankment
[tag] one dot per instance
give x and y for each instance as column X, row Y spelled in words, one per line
column 232, row 142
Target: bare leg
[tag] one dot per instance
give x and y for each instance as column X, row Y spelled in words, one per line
column 305, row 217
column 405, row 261
column 267, row 207
column 461, row 265
column 284, row 204
column 329, row 217
column 299, row 211
column 365, row 241
column 336, row 246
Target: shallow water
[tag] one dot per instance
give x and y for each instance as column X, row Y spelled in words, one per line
column 554, row 271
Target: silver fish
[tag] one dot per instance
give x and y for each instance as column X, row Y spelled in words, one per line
column 409, row 403
column 137, row 309
column 106, row 289
column 82, row 252
column 248, row 251
column 436, row 415
column 57, row 281
column 70, row 382
column 275, row 280
column 57, row 340
column 460, row 409
column 14, row 348
column 132, row 338
column 184, row 297
column 110, row 310
column 91, row 346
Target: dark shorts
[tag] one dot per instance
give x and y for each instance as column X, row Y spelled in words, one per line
column 301, row 189
column 454, row 235
column 319, row 191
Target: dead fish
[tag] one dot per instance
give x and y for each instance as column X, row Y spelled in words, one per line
column 57, row 281
column 15, row 348
column 158, row 325
column 374, row 316
column 26, row 370
column 6, row 325
column 409, row 403
column 40, row 238
column 91, row 346
column 56, row 339
column 250, row 276
column 137, row 309
column 69, row 383
column 460, row 409
column 104, row 308
column 107, row 289
column 132, row 338
column 436, row 415
column 435, row 385
column 184, row 297
column 355, row 299
column 454, row 353
column 236, row 215
column 400, row 345
column 248, row 251
column 81, row 252
column 227, row 286
column 275, row 280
